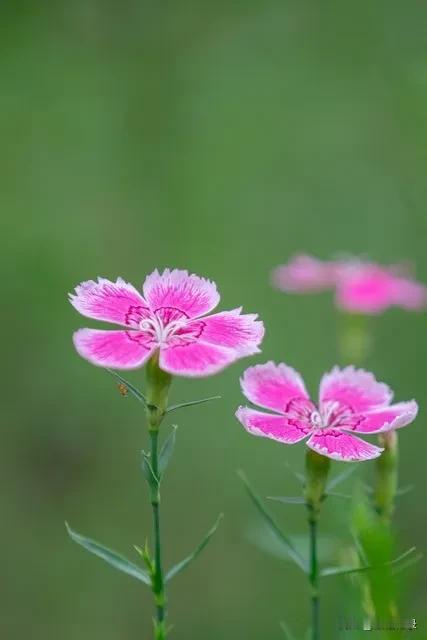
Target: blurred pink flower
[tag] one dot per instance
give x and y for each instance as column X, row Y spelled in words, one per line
column 361, row 287
column 305, row 274
column 350, row 401
column 167, row 318
column 370, row 288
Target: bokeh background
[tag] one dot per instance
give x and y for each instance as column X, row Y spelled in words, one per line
column 222, row 138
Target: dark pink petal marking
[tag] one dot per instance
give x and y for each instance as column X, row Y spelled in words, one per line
column 338, row 445
column 117, row 302
column 115, row 349
column 273, row 386
column 392, row 417
column 301, row 410
column 231, row 329
column 269, row 426
column 355, row 388
column 135, row 314
column 190, row 294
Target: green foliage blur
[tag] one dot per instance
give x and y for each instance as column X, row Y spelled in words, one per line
column 222, row 138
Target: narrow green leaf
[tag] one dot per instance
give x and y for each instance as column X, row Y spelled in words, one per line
column 167, row 450
column 299, row 476
column 404, row 490
column 360, row 550
column 336, row 494
column 180, row 566
column 334, row 482
column 259, row 533
column 404, row 555
column 111, row 557
column 148, row 470
column 341, row 571
column 337, row 571
column 144, row 552
column 192, row 403
column 287, row 500
column 134, row 391
column 293, row 553
column 288, row 633
column 405, row 565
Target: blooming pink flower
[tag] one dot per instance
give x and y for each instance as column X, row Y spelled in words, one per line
column 350, row 401
column 166, row 318
column 361, row 287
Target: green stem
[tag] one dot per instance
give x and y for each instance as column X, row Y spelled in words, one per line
column 317, row 468
column 158, row 383
column 314, row 579
column 158, row 580
column 354, row 338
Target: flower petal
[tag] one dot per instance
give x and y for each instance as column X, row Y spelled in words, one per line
column 342, row 446
column 365, row 288
column 272, row 385
column 355, row 388
column 231, row 329
column 115, row 349
column 269, row 426
column 371, row 288
column 117, row 302
column 410, row 295
column 195, row 359
column 393, row 417
column 305, row 274
column 190, row 294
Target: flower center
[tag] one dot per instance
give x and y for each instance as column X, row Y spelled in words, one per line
column 168, row 327
column 159, row 330
column 330, row 415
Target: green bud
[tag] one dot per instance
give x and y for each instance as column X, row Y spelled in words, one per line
column 317, row 469
column 158, row 383
column 386, row 475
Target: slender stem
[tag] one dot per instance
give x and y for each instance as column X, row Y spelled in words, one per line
column 158, row 383
column 158, row 580
column 314, row 578
column 317, row 470
column 354, row 338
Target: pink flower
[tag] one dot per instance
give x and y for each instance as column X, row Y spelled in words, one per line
column 350, row 401
column 305, row 274
column 166, row 318
column 361, row 287
column 370, row 288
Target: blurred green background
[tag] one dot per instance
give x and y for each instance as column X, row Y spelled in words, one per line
column 222, row 138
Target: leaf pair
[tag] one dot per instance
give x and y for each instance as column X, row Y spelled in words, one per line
column 334, row 482
column 124, row 565
column 296, row 556
column 110, row 557
column 164, row 459
column 141, row 397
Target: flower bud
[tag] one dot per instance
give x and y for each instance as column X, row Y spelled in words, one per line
column 386, row 471
column 158, row 383
column 317, row 469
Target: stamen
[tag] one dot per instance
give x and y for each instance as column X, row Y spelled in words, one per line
column 316, row 420
column 159, row 331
